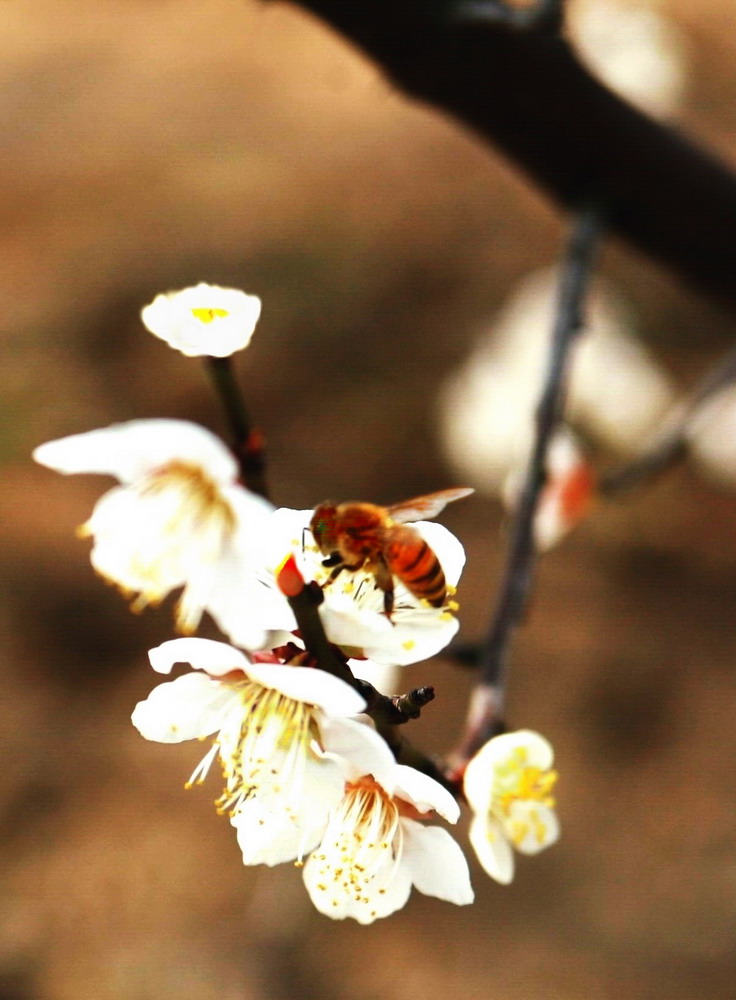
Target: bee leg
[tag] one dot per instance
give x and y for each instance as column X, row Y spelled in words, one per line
column 334, row 560
column 385, row 581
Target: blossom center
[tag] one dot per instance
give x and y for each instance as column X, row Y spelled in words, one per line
column 517, row 781
column 209, row 315
column 361, row 846
column 265, row 744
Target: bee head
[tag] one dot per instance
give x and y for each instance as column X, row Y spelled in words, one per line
column 324, row 527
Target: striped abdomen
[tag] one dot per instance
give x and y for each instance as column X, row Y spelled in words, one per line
column 411, row 559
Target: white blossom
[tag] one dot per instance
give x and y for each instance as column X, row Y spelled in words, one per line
column 203, row 320
column 634, row 49
column 508, row 785
column 711, row 433
column 617, row 394
column 178, row 519
column 567, row 494
column 353, row 608
column 374, row 848
column 268, row 719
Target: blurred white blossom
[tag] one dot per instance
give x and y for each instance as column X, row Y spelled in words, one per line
column 634, row 49
column 567, row 494
column 267, row 717
column 508, row 785
column 617, row 394
column 179, row 519
column 203, row 320
column 374, row 848
column 711, row 434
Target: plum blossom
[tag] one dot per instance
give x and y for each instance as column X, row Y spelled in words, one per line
column 635, row 50
column 374, row 848
column 617, row 394
column 353, row 610
column 267, row 720
column 568, row 492
column 178, row 519
column 508, row 785
column 711, row 435
column 204, row 320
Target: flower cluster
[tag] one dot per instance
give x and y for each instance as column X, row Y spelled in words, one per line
column 308, row 777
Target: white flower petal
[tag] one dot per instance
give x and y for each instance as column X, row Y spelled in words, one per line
column 267, row 836
column 190, row 707
column 492, row 848
column 131, row 450
column 215, row 658
column 436, row 864
column 531, row 826
column 387, row 890
column 360, row 750
column 414, row 633
column 383, row 676
column 310, row 685
column 524, row 744
column 270, row 834
column 425, row 793
column 243, row 608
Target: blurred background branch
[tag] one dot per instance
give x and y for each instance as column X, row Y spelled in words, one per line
column 527, row 93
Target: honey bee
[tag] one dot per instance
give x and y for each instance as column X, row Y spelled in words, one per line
column 364, row 536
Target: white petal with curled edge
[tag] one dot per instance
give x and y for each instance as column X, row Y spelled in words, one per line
column 215, row 658
column 424, row 792
column 360, row 750
column 188, row 708
column 492, row 848
column 131, row 450
column 309, row 685
column 436, row 864
column 531, row 826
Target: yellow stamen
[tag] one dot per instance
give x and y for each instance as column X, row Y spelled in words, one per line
column 209, row 315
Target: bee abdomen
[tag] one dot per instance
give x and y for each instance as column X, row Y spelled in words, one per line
column 419, row 570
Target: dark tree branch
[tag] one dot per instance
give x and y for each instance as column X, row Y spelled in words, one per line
column 526, row 92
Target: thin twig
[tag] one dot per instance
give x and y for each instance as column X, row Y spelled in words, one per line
column 248, row 443
column 485, row 717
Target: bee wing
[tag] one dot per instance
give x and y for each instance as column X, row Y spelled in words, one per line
column 422, row 508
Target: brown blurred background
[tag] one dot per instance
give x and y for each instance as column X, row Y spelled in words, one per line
column 151, row 145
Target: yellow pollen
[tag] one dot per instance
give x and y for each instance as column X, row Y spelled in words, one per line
column 209, row 315
column 408, row 644
column 529, row 784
